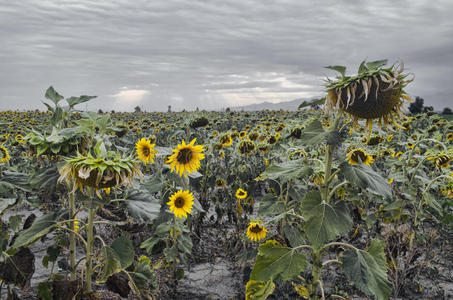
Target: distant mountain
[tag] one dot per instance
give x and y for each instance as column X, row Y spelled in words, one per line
column 286, row 105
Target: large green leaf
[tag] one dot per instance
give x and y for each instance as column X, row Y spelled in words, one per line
column 325, row 221
column 124, row 249
column 276, row 261
column 6, row 203
column 259, row 290
column 269, row 205
column 368, row 270
column 52, row 95
column 313, row 134
column 143, row 206
column 40, row 227
column 73, row 101
column 340, row 69
column 365, row 177
column 110, row 263
column 286, row 171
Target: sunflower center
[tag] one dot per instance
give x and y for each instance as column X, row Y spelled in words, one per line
column 179, row 202
column 146, row 151
column 184, row 156
column 256, row 229
column 358, row 154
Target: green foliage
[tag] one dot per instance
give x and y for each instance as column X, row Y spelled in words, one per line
column 259, row 290
column 367, row 269
column 275, row 261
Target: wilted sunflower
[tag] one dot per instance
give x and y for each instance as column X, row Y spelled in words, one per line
column 247, row 147
column 449, row 136
column 145, row 150
column 181, row 203
column 241, row 194
column 256, row 231
column 358, row 156
column 4, row 154
column 263, row 148
column 374, row 93
column 442, row 160
column 99, row 172
column 186, row 158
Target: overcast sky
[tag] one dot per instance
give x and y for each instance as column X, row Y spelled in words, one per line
column 214, row 54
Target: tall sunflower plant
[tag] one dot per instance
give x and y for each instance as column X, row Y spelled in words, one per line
column 172, row 228
column 313, row 215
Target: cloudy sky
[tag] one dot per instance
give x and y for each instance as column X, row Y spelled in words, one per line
column 214, row 54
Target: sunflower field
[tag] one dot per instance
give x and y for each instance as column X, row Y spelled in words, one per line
column 346, row 198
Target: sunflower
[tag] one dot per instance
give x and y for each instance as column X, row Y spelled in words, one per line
column 358, row 156
column 181, row 203
column 19, row 138
column 220, row 182
column 186, row 158
column 442, row 160
column 241, row 194
column 4, row 154
column 242, row 134
column 449, row 136
column 145, row 150
column 226, row 140
column 247, row 147
column 256, row 231
column 374, row 93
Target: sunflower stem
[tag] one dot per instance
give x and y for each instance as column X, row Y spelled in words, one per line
column 72, row 237
column 329, row 161
column 89, row 248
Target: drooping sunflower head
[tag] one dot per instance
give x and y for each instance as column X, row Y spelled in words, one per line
column 441, row 159
column 99, row 172
column 256, row 231
column 186, row 158
column 241, row 194
column 181, row 203
column 374, row 93
column 145, row 151
column 359, row 156
column 4, row 155
column 449, row 137
column 246, row 147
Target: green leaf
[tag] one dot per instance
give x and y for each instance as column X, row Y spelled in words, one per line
column 314, row 134
column 73, row 101
column 340, row 69
column 277, row 261
column 269, row 205
column 286, row 171
column 259, row 290
column 374, row 65
column 6, row 203
column 143, row 206
column 40, row 227
column 293, row 234
column 149, row 244
column 368, row 270
column 14, row 222
column 362, row 68
column 45, row 290
column 124, row 249
column 365, row 177
column 52, row 95
column 324, row 221
column 185, row 244
column 110, row 263
column 318, row 101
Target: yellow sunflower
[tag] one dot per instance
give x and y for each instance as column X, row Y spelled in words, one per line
column 4, row 154
column 449, row 136
column 226, row 140
column 145, row 151
column 256, row 231
column 181, row 203
column 242, row 134
column 358, row 156
column 186, row 158
column 241, row 194
column 19, row 138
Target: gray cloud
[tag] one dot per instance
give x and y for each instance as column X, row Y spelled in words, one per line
column 213, row 54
